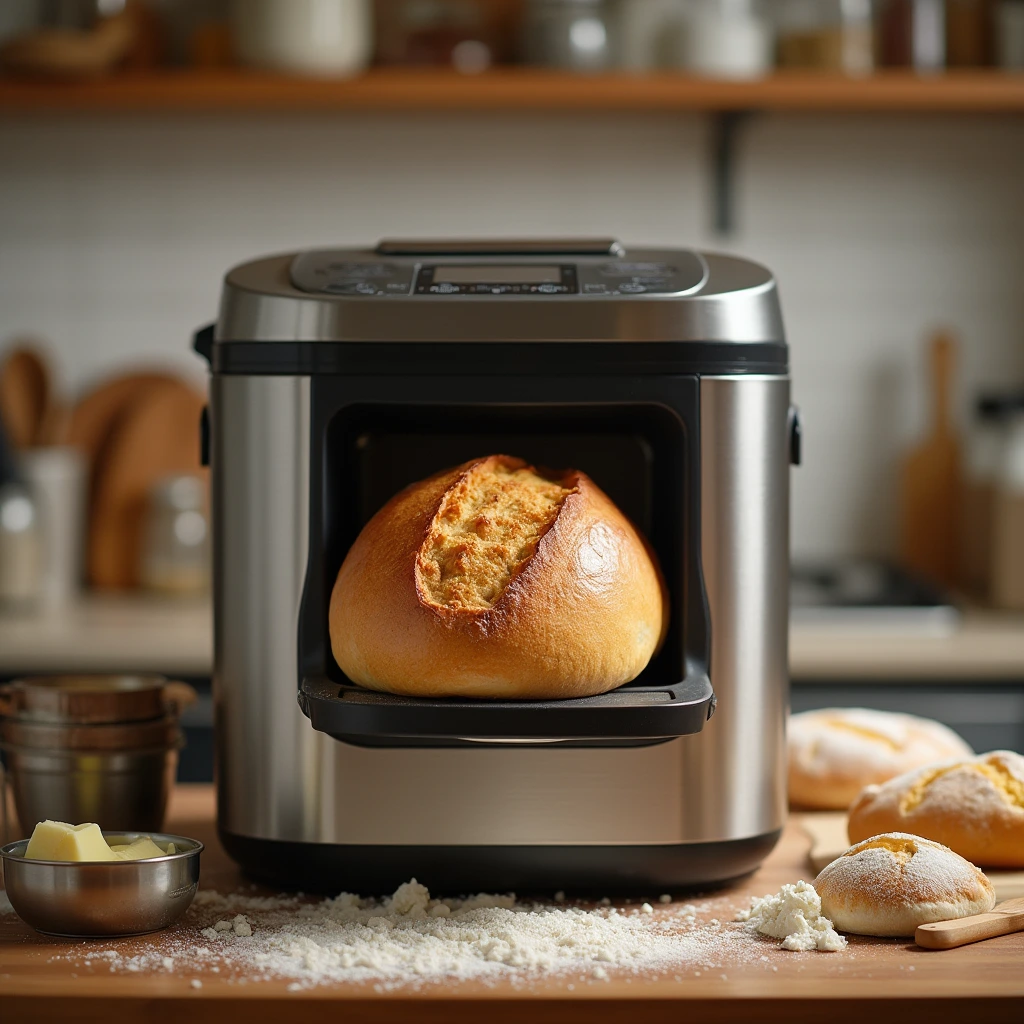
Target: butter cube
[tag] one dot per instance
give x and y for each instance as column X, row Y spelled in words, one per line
column 57, row 840
column 141, row 849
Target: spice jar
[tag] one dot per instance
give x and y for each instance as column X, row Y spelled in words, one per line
column 836, row 35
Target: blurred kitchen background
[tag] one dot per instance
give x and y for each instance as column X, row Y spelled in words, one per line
column 870, row 153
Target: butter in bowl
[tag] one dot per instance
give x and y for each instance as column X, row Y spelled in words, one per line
column 76, row 881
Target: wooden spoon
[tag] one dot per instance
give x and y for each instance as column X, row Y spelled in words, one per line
column 26, row 396
column 1002, row 920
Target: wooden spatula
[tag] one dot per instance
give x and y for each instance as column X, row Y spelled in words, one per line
column 929, row 477
column 1002, row 920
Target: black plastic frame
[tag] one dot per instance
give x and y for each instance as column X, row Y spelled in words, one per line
column 639, row 713
column 509, row 359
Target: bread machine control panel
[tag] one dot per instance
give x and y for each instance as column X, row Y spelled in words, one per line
column 330, row 273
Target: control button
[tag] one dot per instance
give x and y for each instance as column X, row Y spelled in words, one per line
column 632, row 287
column 366, row 288
column 550, row 289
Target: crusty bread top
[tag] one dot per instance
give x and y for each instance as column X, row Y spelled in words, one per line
column 968, row 791
column 1003, row 769
column 485, row 531
column 862, row 741
column 895, row 870
column 835, row 752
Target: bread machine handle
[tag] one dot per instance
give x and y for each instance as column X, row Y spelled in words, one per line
column 501, row 247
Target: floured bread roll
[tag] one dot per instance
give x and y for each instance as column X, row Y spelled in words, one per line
column 890, row 884
column 974, row 806
column 836, row 752
column 496, row 580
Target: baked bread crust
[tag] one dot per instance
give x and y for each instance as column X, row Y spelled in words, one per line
column 974, row 806
column 575, row 605
column 834, row 753
column 889, row 884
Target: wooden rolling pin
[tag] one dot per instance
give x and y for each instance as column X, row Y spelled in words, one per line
column 1007, row 917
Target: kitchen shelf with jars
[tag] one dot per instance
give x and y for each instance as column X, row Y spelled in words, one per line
column 578, row 55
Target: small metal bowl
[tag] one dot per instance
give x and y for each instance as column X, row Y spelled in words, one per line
column 103, row 899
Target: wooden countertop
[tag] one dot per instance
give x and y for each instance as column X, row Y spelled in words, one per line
column 139, row 633
column 874, row 979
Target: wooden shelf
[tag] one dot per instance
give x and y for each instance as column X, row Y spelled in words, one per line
column 516, row 89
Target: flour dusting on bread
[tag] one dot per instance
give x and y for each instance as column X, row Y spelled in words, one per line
column 974, row 806
column 890, row 884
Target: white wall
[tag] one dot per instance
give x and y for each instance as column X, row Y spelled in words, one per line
column 114, row 233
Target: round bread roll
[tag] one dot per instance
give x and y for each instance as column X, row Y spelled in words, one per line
column 890, row 884
column 836, row 752
column 974, row 806
column 496, row 580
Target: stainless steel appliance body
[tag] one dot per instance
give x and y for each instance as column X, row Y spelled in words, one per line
column 305, row 807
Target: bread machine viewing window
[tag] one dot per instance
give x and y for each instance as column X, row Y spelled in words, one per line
column 501, row 523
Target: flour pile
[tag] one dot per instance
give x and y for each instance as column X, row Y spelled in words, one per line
column 409, row 939
column 794, row 915
column 409, row 936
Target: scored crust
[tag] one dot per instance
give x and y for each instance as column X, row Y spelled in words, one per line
column 889, row 884
column 487, row 527
column 546, row 592
column 974, row 806
column 835, row 752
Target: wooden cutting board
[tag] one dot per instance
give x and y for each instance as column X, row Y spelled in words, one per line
column 827, row 832
column 96, row 413
column 158, row 436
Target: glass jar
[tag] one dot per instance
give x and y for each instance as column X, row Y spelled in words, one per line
column 836, row 35
column 1007, row 554
column 912, row 33
column 576, row 35
column 727, row 39
column 176, row 551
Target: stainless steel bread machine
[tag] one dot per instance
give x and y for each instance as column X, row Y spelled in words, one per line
column 340, row 376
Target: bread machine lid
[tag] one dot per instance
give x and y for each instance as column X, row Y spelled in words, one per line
column 556, row 290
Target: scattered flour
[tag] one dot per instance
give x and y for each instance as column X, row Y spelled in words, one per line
column 410, row 939
column 794, row 915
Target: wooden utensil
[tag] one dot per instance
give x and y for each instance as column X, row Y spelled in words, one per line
column 96, row 413
column 73, row 53
column 155, row 438
column 1001, row 920
column 829, row 839
column 26, row 396
column 929, row 480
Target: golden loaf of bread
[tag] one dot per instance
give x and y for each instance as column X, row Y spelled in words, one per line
column 889, row 884
column 496, row 580
column 973, row 806
column 834, row 753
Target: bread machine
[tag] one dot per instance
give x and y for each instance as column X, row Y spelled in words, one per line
column 339, row 377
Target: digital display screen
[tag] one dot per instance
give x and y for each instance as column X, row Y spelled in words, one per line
column 494, row 274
